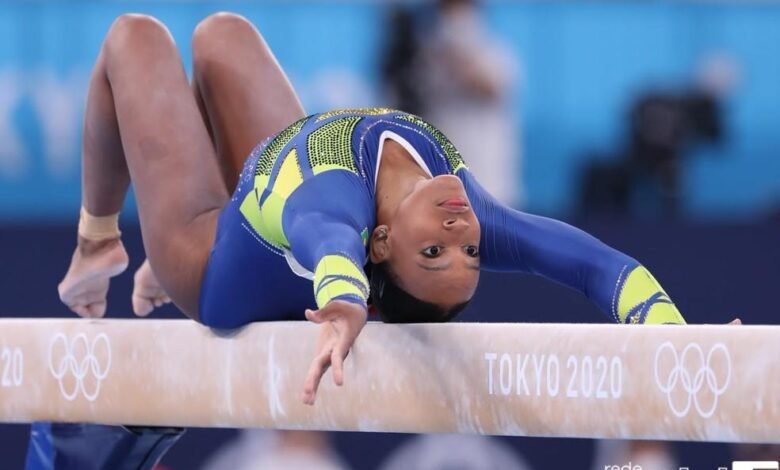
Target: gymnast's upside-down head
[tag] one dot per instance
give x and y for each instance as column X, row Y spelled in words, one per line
column 425, row 258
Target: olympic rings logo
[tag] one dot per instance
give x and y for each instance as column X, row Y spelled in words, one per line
column 78, row 359
column 692, row 382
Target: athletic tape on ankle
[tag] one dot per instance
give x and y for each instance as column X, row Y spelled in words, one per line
column 98, row 228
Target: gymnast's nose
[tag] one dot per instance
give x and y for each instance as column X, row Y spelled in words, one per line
column 455, row 224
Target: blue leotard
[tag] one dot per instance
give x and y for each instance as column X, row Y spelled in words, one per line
column 294, row 235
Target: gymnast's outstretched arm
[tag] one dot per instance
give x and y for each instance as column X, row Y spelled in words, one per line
column 331, row 247
column 513, row 241
column 331, row 251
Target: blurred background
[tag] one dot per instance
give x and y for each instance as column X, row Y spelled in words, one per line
column 653, row 125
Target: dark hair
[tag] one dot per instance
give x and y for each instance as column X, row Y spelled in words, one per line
column 395, row 305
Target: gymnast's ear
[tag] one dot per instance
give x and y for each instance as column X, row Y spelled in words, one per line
column 379, row 249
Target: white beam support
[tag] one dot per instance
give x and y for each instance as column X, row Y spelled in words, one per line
column 705, row 383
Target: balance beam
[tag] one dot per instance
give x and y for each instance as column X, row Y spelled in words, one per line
column 705, row 383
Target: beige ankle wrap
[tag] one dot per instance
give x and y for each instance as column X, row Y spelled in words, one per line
column 98, row 228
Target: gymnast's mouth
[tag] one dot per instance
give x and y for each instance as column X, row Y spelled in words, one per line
column 457, row 205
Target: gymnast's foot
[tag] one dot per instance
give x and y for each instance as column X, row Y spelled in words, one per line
column 85, row 285
column 147, row 293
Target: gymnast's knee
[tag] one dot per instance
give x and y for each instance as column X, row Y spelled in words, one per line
column 133, row 33
column 222, row 33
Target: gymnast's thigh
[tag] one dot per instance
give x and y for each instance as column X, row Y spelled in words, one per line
column 248, row 281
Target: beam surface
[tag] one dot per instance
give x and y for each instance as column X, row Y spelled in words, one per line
column 705, row 382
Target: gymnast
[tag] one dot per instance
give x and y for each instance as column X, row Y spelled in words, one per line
column 330, row 215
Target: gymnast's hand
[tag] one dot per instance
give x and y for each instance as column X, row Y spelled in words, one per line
column 340, row 323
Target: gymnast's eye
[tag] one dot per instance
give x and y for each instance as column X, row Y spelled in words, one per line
column 472, row 251
column 432, row 251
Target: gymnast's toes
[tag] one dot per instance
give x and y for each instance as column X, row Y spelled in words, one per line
column 147, row 292
column 92, row 310
column 85, row 285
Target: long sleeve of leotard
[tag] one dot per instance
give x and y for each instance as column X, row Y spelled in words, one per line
column 334, row 252
column 515, row 241
column 328, row 232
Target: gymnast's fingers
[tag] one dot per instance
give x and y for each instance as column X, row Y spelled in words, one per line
column 311, row 315
column 318, row 367
column 328, row 312
column 318, row 316
column 337, row 361
column 735, row 321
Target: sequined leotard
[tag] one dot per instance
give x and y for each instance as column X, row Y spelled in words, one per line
column 304, row 208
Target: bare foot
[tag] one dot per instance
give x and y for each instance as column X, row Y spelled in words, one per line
column 85, row 285
column 147, row 293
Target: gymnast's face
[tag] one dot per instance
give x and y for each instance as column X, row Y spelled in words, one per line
column 432, row 242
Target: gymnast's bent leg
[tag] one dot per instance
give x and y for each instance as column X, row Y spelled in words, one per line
column 244, row 98
column 143, row 121
column 245, row 95
column 138, row 86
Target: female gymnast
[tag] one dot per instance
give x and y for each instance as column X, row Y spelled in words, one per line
column 323, row 200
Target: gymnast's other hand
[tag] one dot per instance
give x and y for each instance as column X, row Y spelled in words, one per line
column 340, row 323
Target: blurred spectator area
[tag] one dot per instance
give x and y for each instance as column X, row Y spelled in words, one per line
column 583, row 65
